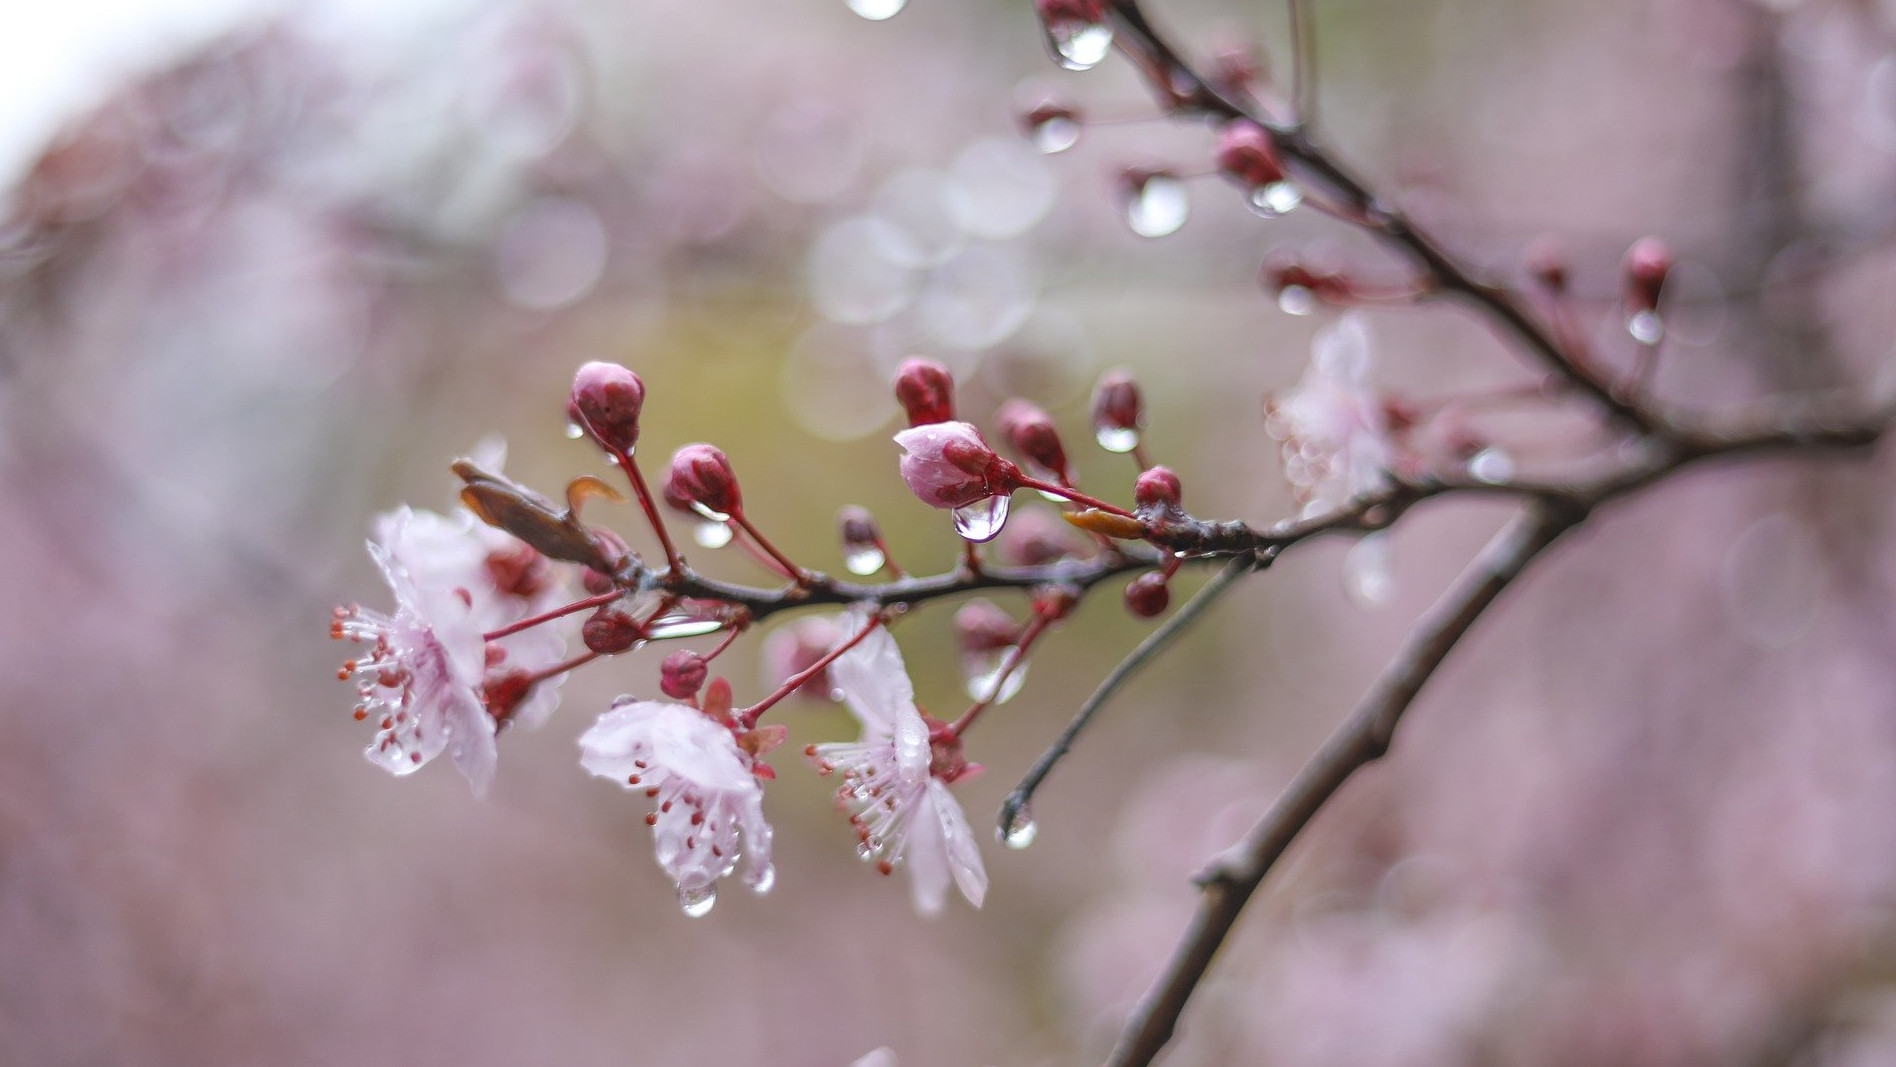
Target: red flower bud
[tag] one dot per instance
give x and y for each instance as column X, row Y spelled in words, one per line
column 1157, row 488
column 1148, row 595
column 1646, row 266
column 682, row 674
column 926, row 391
column 1247, row 156
column 1031, row 433
column 1118, row 411
column 700, row 478
column 605, row 403
column 858, row 527
column 609, row 631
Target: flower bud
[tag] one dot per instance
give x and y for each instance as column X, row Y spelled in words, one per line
column 926, row 392
column 682, row 674
column 1645, row 269
column 519, row 570
column 1247, row 156
column 609, row 631
column 1030, row 432
column 950, row 465
column 1157, row 488
column 1118, row 410
column 858, row 527
column 1148, row 595
column 981, row 627
column 1056, row 11
column 605, row 403
column 700, row 478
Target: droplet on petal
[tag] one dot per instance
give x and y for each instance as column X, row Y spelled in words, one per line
column 710, row 534
column 1117, row 438
column 698, row 901
column 1020, row 830
column 1157, row 205
column 983, row 519
column 1646, row 327
column 1274, row 199
column 864, row 561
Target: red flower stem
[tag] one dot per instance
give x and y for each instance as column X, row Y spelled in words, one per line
column 1074, row 495
column 971, row 557
column 730, row 636
column 1139, row 457
column 749, row 718
column 763, row 559
column 547, row 616
column 561, row 668
column 1036, row 627
column 639, row 490
column 792, row 571
column 888, row 561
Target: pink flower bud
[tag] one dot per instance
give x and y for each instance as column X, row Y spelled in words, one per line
column 609, row 631
column 1247, row 156
column 611, row 547
column 950, row 465
column 926, row 391
column 1646, row 266
column 1157, row 488
column 1117, row 404
column 1030, row 432
column 1148, row 595
column 1055, row 602
column 682, row 674
column 981, row 627
column 605, row 403
column 700, row 477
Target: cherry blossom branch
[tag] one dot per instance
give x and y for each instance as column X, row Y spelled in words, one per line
column 1362, row 738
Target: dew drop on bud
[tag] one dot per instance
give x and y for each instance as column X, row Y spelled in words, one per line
column 1117, row 438
column 1491, row 465
column 985, row 671
column 574, row 432
column 1646, row 327
column 712, row 534
column 698, row 901
column 1296, row 300
column 1078, row 44
column 1275, row 198
column 673, row 627
column 1158, row 206
column 708, row 514
column 981, row 520
column 1021, row 830
column 877, row 10
column 766, row 880
column 864, row 561
column 1366, row 576
column 1056, row 134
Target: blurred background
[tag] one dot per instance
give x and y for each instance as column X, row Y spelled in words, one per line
column 266, row 268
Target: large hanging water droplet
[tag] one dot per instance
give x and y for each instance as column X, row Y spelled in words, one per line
column 698, row 901
column 711, row 534
column 1078, row 44
column 766, row 880
column 678, row 626
column 864, row 561
column 982, row 520
column 1366, row 576
column 1117, row 438
column 1158, row 206
column 984, row 671
column 1296, row 300
column 1020, row 830
column 574, row 432
column 877, row 10
column 1056, row 133
column 1275, row 198
column 1646, row 327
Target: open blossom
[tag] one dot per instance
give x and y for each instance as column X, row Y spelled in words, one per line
column 950, row 465
column 709, row 812
column 430, row 680
column 1333, row 426
column 895, row 785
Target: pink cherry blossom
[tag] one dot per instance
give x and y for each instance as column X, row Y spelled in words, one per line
column 709, row 813
column 950, row 465
column 894, row 786
column 1333, row 426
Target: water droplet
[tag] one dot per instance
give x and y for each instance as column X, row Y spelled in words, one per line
column 877, row 10
column 1078, row 44
column 1646, row 327
column 1056, row 134
column 1021, row 830
column 983, row 519
column 1491, row 465
column 983, row 671
column 1296, row 300
column 1055, row 497
column 698, row 901
column 712, row 534
column 713, row 516
column 865, row 560
column 1276, row 198
column 1366, row 576
column 677, row 626
column 1117, row 438
column 765, row 881
column 1158, row 206
column 573, row 431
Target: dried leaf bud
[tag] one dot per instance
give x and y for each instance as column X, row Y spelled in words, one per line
column 982, row 627
column 1546, row 263
column 1646, row 266
column 1030, row 432
column 1157, row 488
column 609, row 631
column 926, row 392
column 700, row 479
column 605, row 402
column 682, row 674
column 1148, row 595
column 1247, row 156
column 1118, row 411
